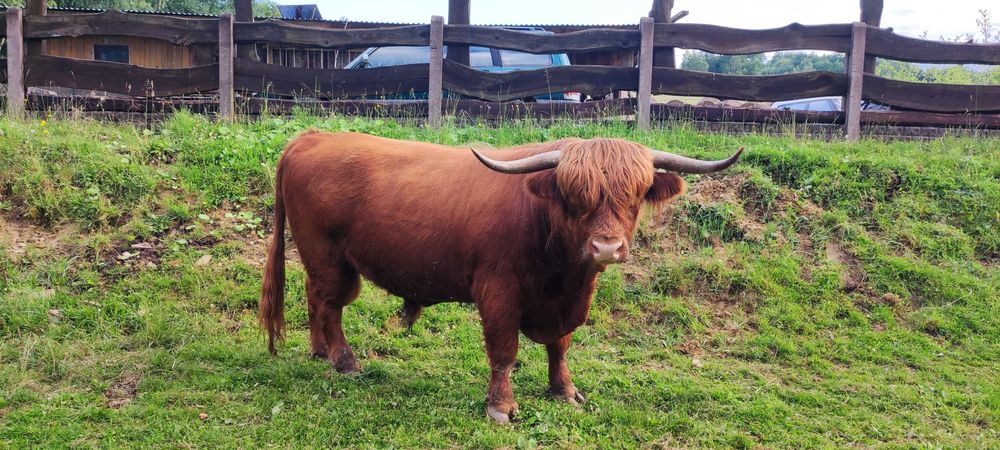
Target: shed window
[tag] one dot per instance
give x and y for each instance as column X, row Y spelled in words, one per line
column 112, row 53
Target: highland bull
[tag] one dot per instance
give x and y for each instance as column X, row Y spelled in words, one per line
column 521, row 233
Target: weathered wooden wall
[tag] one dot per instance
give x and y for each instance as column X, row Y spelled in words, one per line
column 143, row 52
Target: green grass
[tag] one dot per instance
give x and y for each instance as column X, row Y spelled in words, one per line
column 817, row 295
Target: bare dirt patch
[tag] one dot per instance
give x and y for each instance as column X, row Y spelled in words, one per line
column 123, row 390
column 19, row 236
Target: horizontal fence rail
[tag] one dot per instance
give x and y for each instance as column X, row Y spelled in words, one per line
column 734, row 41
column 251, row 79
column 176, row 30
column 273, row 31
column 126, row 79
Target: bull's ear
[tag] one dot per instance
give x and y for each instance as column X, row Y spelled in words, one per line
column 543, row 184
column 666, row 185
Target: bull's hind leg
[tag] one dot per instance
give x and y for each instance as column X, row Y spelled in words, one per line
column 332, row 291
column 317, row 339
column 560, row 384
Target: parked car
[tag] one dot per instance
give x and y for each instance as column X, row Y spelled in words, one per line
column 825, row 104
column 480, row 58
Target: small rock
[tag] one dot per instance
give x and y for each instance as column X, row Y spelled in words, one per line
column 126, row 255
column 202, row 416
column 55, row 315
column 697, row 362
column 203, row 261
column 143, row 245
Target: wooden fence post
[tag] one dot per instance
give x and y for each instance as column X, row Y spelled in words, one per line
column 856, row 75
column 15, row 64
column 36, row 8
column 458, row 14
column 660, row 12
column 645, row 72
column 244, row 13
column 435, row 85
column 226, row 66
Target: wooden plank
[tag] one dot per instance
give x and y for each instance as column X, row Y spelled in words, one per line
column 724, row 40
column 176, row 30
column 928, row 119
column 767, row 88
column 119, row 78
column 577, row 41
column 645, row 72
column 660, row 12
column 932, row 97
column 281, row 80
column 458, row 14
column 855, row 74
column 15, row 64
column 282, row 32
column 596, row 81
column 886, row 44
column 226, row 66
column 435, row 94
column 746, row 115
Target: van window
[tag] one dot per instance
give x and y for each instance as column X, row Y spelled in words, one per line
column 511, row 58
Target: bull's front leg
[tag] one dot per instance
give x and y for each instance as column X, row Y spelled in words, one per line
column 500, row 329
column 560, row 384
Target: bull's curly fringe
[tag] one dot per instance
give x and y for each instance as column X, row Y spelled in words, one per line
column 601, row 170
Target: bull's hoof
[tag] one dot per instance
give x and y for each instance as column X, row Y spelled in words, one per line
column 318, row 355
column 500, row 414
column 346, row 363
column 573, row 397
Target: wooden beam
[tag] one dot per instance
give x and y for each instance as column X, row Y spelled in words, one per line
column 176, row 30
column 458, row 14
column 871, row 14
column 856, row 81
column 244, row 11
column 126, row 79
column 573, row 42
column 660, row 12
column 244, row 14
column 321, row 35
column 226, row 66
column 435, row 92
column 679, row 16
column 261, row 77
column 36, row 8
column 645, row 72
column 15, row 64
column 737, row 41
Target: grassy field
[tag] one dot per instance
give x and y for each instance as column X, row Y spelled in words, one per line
column 817, row 295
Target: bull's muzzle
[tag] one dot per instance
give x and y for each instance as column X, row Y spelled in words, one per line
column 608, row 252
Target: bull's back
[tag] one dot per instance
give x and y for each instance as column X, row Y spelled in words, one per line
column 412, row 217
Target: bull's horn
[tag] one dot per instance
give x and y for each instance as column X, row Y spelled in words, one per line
column 530, row 164
column 678, row 163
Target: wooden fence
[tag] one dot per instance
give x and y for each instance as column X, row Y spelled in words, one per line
column 951, row 104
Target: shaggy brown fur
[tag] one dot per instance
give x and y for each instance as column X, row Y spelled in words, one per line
column 430, row 224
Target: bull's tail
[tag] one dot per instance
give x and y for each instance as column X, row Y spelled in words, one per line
column 271, row 311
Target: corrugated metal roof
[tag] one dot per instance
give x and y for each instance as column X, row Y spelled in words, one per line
column 354, row 23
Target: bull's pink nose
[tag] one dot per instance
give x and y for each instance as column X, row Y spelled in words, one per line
column 606, row 253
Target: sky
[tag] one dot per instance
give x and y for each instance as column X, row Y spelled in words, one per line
column 907, row 17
